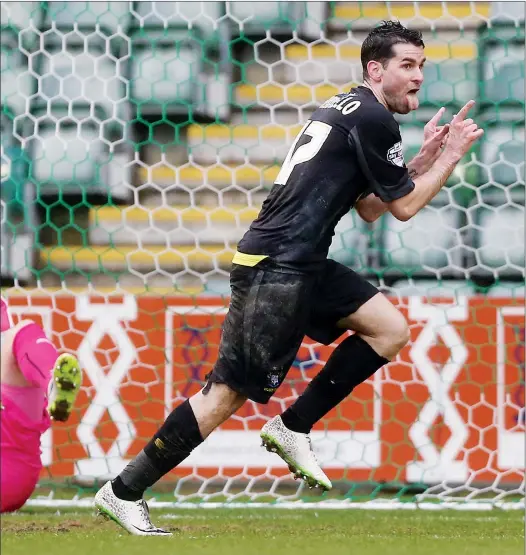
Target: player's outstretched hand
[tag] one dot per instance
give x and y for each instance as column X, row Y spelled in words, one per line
column 462, row 132
column 434, row 135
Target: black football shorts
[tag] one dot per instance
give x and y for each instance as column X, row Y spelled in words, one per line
column 271, row 310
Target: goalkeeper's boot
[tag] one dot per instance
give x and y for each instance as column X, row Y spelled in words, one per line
column 296, row 450
column 133, row 516
column 64, row 387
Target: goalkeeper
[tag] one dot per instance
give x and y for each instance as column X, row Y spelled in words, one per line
column 29, row 361
column 348, row 155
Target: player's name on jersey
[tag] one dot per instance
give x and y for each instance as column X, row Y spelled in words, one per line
column 345, row 104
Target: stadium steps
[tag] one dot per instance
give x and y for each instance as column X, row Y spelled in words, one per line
column 203, row 185
column 437, row 52
column 238, row 144
column 175, row 174
column 217, row 176
column 364, row 15
column 214, row 185
column 132, row 258
column 171, row 175
column 294, row 95
column 180, row 225
column 240, row 134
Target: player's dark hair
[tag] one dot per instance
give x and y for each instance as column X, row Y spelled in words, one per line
column 378, row 45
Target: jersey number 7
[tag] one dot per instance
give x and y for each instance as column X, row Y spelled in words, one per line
column 319, row 132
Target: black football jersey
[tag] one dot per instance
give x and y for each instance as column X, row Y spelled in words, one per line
column 350, row 147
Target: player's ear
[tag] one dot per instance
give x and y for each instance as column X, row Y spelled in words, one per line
column 375, row 70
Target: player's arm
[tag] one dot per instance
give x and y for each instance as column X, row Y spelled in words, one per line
column 462, row 134
column 378, row 148
column 377, row 143
column 426, row 187
column 370, row 208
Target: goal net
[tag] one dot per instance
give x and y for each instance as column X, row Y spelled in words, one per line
column 139, row 140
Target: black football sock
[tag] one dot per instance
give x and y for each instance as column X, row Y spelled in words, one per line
column 174, row 441
column 350, row 364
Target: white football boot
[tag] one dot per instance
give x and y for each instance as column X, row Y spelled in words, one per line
column 296, row 450
column 133, row 516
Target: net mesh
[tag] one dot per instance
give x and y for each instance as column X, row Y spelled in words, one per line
column 139, row 140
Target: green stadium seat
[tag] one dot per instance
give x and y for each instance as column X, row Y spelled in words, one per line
column 112, row 17
column 502, row 151
column 74, row 76
column 69, row 157
column 510, row 13
column 175, row 69
column 15, row 168
column 17, row 83
column 164, row 75
column 427, row 245
column 497, row 232
column 501, row 79
column 449, row 83
column 15, row 241
column 87, row 25
column 204, row 18
column 15, row 17
column 255, row 18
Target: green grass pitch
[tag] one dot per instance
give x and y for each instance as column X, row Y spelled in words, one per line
column 270, row 531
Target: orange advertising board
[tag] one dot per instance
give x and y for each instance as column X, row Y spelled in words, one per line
column 450, row 408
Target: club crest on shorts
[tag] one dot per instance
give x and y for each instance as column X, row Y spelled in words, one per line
column 395, row 155
column 273, row 380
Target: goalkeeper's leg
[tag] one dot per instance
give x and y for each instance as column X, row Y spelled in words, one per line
column 28, row 362
column 381, row 331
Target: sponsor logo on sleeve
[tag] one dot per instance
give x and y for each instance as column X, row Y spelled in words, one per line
column 395, row 155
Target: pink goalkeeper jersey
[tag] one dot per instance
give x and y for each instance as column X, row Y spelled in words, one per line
column 20, row 451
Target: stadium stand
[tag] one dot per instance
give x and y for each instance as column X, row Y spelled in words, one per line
column 184, row 112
